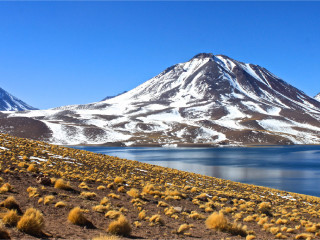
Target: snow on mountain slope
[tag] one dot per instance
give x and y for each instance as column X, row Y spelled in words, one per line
column 11, row 103
column 317, row 97
column 209, row 99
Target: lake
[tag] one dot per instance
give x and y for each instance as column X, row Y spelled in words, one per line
column 289, row 168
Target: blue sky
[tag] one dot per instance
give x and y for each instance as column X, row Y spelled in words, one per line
column 60, row 53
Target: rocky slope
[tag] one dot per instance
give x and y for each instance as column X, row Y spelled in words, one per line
column 208, row 100
column 11, row 103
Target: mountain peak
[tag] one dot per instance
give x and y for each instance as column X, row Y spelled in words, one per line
column 203, row 55
column 11, row 103
column 317, row 97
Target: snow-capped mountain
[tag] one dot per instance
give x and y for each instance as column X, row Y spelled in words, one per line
column 208, row 100
column 11, row 103
column 317, row 97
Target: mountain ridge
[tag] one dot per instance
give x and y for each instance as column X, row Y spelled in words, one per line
column 209, row 100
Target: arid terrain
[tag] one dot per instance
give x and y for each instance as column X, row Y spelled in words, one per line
column 54, row 192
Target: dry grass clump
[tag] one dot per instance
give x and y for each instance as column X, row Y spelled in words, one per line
column 101, row 208
column 113, row 195
column 32, row 222
column 195, row 215
column 119, row 180
column 6, row 188
column 219, row 222
column 265, row 207
column 142, row 215
column 11, row 203
column 32, row 168
column 83, row 185
column 11, row 218
column 48, row 199
column 88, row 195
column 250, row 237
column 76, row 217
column 112, row 214
column 104, row 201
column 156, row 219
column 101, row 187
column 60, row 204
column 33, row 192
column 62, row 184
column 133, row 192
column 148, row 189
column 183, row 228
column 121, row 226
column 304, row 236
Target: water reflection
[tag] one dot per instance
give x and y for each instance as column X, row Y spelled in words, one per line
column 290, row 168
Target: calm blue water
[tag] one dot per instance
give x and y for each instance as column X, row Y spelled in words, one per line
column 289, row 168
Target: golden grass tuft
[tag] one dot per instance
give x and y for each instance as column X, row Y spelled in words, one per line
column 101, row 208
column 121, row 226
column 112, row 214
column 62, row 184
column 119, row 180
column 33, row 192
column 217, row 221
column 76, row 217
column 183, row 228
column 60, row 204
column 265, row 207
column 32, row 222
column 48, row 199
column 10, row 203
column 11, row 218
column 157, row 219
column 101, row 187
column 113, row 195
column 250, row 237
column 104, row 201
column 32, row 168
column 88, row 195
column 6, row 188
column 133, row 192
column 142, row 215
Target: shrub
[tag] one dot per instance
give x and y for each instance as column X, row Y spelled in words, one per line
column 33, row 192
column 11, row 203
column 6, row 188
column 60, row 204
column 32, row 168
column 265, row 207
column 76, row 217
column 142, row 215
column 101, row 187
column 120, row 227
column 61, row 184
column 88, row 195
column 101, row 208
column 183, row 228
column 32, row 222
column 48, row 199
column 118, row 180
column 157, row 219
column 217, row 221
column 104, row 201
column 11, row 218
column 112, row 214
column 133, row 192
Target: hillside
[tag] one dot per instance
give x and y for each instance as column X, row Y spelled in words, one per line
column 209, row 100
column 136, row 200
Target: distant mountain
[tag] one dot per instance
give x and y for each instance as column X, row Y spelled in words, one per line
column 109, row 97
column 317, row 97
column 209, row 100
column 11, row 103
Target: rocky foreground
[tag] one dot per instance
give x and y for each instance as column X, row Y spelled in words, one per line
column 53, row 192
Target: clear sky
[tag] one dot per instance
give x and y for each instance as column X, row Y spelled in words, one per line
column 61, row 53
